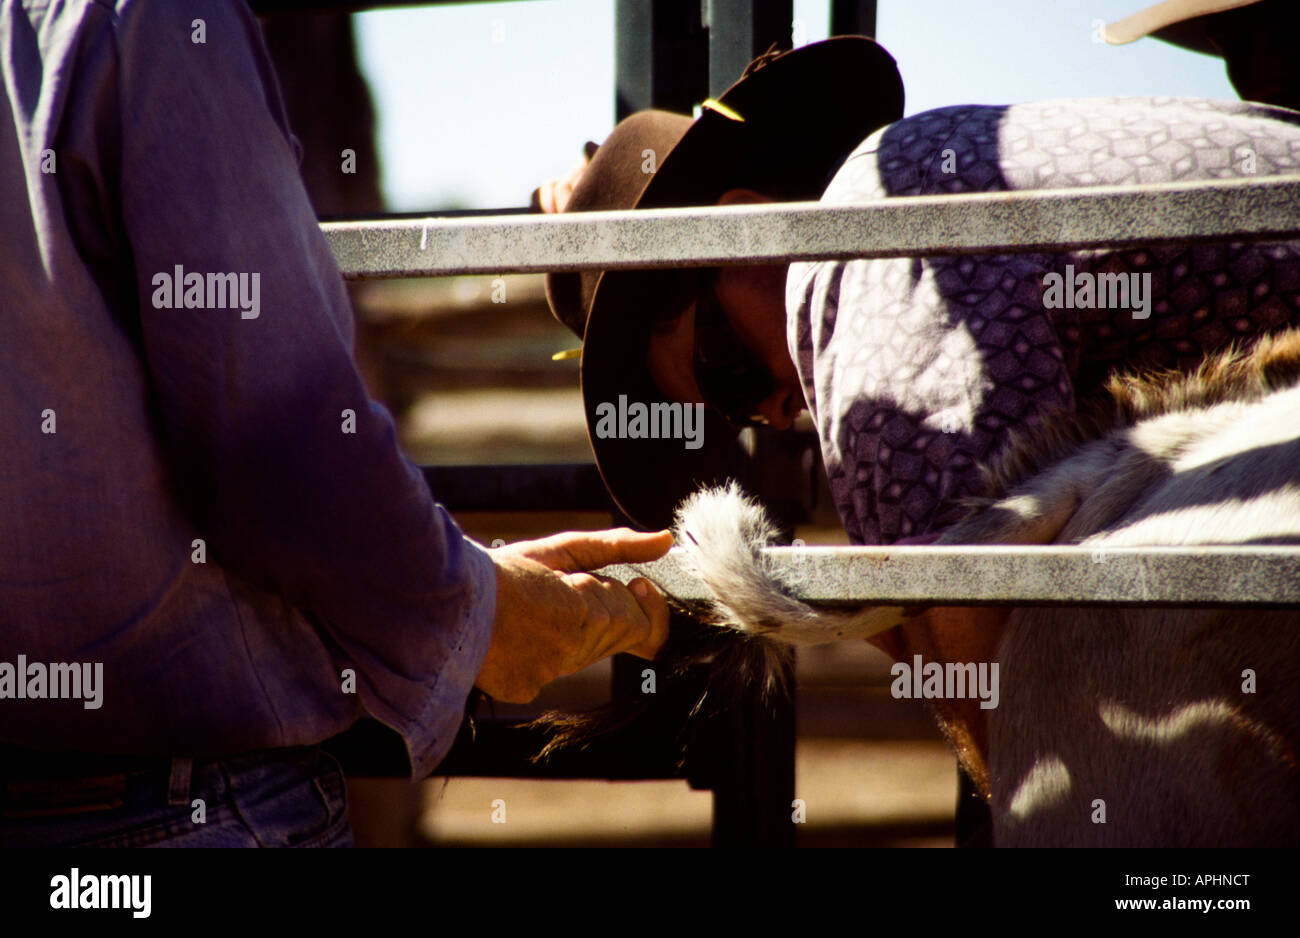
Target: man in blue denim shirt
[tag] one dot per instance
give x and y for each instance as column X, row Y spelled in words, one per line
column 211, row 543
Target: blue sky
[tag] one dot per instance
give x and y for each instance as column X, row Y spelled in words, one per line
column 479, row 102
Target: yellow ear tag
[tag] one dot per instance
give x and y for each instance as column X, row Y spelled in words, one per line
column 715, row 105
column 567, row 354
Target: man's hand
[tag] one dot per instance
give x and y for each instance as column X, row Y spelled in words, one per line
column 553, row 618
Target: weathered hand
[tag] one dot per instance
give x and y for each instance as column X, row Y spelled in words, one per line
column 553, row 618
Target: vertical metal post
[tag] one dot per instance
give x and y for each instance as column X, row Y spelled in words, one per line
column 853, row 18
column 753, row 773
column 740, row 30
column 660, row 56
column 671, row 54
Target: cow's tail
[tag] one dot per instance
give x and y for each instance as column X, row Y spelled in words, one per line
column 721, row 534
column 743, row 634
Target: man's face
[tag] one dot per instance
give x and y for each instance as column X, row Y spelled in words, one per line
column 753, row 301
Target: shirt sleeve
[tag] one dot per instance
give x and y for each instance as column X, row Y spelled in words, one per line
column 281, row 458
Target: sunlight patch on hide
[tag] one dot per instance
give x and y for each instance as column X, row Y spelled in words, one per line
column 1126, row 724
column 1047, row 784
column 1267, row 517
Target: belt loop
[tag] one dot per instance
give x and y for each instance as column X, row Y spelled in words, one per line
column 178, row 789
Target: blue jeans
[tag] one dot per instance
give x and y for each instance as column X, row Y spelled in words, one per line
column 275, row 798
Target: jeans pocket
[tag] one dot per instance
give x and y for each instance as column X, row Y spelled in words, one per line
column 288, row 798
column 332, row 790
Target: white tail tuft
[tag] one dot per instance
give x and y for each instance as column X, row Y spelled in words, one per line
column 722, row 533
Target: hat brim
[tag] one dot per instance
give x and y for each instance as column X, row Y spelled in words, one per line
column 820, row 102
column 645, row 475
column 1161, row 16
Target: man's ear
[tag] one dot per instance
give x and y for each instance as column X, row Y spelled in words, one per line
column 742, row 197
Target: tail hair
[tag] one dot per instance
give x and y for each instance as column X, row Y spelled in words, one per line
column 722, row 532
column 743, row 634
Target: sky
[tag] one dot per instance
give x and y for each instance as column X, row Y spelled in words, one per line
column 479, row 102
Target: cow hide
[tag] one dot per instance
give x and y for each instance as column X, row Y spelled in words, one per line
column 1116, row 726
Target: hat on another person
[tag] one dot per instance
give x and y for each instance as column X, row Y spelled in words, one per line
column 1255, row 39
column 783, row 129
column 1157, row 17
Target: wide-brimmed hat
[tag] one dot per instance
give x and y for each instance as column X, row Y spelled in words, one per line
column 789, row 121
column 1155, row 18
column 1255, row 39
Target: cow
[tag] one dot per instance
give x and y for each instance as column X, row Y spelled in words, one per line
column 1114, row 726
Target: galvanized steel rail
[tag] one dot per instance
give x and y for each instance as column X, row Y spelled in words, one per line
column 916, row 226
column 980, row 575
column 1237, row 210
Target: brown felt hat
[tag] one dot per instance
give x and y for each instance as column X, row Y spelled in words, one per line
column 792, row 118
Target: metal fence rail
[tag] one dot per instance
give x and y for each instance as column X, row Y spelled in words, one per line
column 1234, row 210
column 916, row 226
column 1113, row 576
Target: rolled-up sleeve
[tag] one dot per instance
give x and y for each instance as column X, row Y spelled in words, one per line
column 294, row 475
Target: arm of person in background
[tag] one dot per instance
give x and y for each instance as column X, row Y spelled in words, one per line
column 553, row 195
column 280, row 457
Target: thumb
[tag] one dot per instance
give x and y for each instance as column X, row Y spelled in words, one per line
column 576, row 551
column 655, row 607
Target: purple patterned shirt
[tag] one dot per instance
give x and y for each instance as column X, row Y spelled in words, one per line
column 915, row 369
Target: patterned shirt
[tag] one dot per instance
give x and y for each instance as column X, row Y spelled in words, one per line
column 916, row 369
column 197, row 494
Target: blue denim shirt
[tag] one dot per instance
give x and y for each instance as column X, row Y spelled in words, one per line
column 139, row 420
